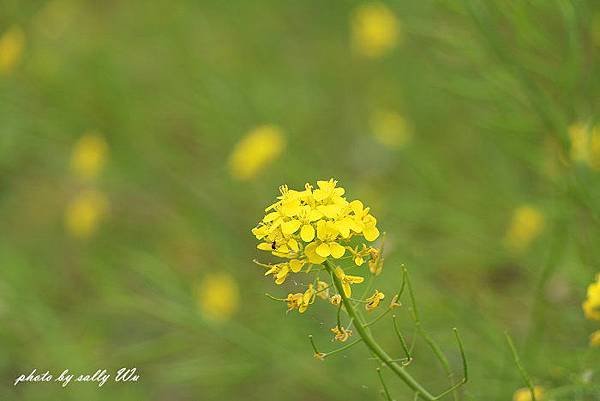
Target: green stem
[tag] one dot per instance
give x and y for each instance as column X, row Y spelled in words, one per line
column 373, row 345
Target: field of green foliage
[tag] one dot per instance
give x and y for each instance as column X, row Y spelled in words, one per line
column 140, row 143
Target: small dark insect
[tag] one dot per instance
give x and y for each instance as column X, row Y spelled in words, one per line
column 273, row 245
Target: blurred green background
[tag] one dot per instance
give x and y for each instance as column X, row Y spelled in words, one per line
column 125, row 214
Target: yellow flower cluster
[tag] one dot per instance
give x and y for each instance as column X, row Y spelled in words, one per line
column 524, row 394
column 309, row 226
column 390, row 129
column 375, row 30
column 526, row 225
column 255, row 151
column 218, row 297
column 12, row 43
column 591, row 306
column 89, row 207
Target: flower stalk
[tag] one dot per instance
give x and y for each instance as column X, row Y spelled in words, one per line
column 373, row 345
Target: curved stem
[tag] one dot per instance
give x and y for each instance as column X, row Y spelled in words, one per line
column 373, row 345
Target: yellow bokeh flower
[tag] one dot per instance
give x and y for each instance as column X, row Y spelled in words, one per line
column 374, row 300
column 526, row 225
column 591, row 305
column 12, row 43
column 585, row 144
column 391, row 129
column 255, row 151
column 375, row 30
column 595, row 339
column 218, row 296
column 84, row 213
column 89, row 156
column 524, row 394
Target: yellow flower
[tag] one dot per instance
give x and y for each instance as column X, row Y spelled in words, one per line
column 89, row 156
column 526, row 225
column 309, row 226
column 347, row 280
column 336, row 299
column 578, row 134
column 218, row 296
column 300, row 300
column 12, row 43
column 84, row 213
column 253, row 153
column 391, row 129
column 595, row 339
column 591, row 306
column 341, row 334
column 374, row 300
column 523, row 394
column 322, row 289
column 375, row 30
column 585, row 144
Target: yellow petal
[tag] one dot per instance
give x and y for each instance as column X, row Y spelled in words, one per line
column 323, row 250
column 296, row 265
column 355, row 279
column 311, row 254
column 307, row 233
column 270, row 217
column 290, row 227
column 371, row 233
column 347, row 289
column 265, row 246
column 337, row 251
column 293, row 244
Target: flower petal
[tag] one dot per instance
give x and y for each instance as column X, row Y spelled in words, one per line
column 323, row 250
column 337, row 251
column 307, row 233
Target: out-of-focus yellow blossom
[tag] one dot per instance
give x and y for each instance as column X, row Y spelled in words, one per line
column 523, row 394
column 307, row 227
column 591, row 305
column 255, row 151
column 374, row 300
column 391, row 129
column 341, row 333
column 595, row 339
column 218, row 296
column 336, row 299
column 375, row 30
column 526, row 225
column 84, row 213
column 347, row 279
column 322, row 289
column 12, row 43
column 89, row 156
column 585, row 144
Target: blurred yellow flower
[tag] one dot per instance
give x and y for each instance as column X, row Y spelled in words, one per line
column 375, row 30
column 585, row 144
column 526, row 225
column 89, row 156
column 347, row 279
column 84, row 213
column 591, row 306
column 218, row 296
column 523, row 394
column 391, row 129
column 595, row 339
column 255, row 151
column 12, row 43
